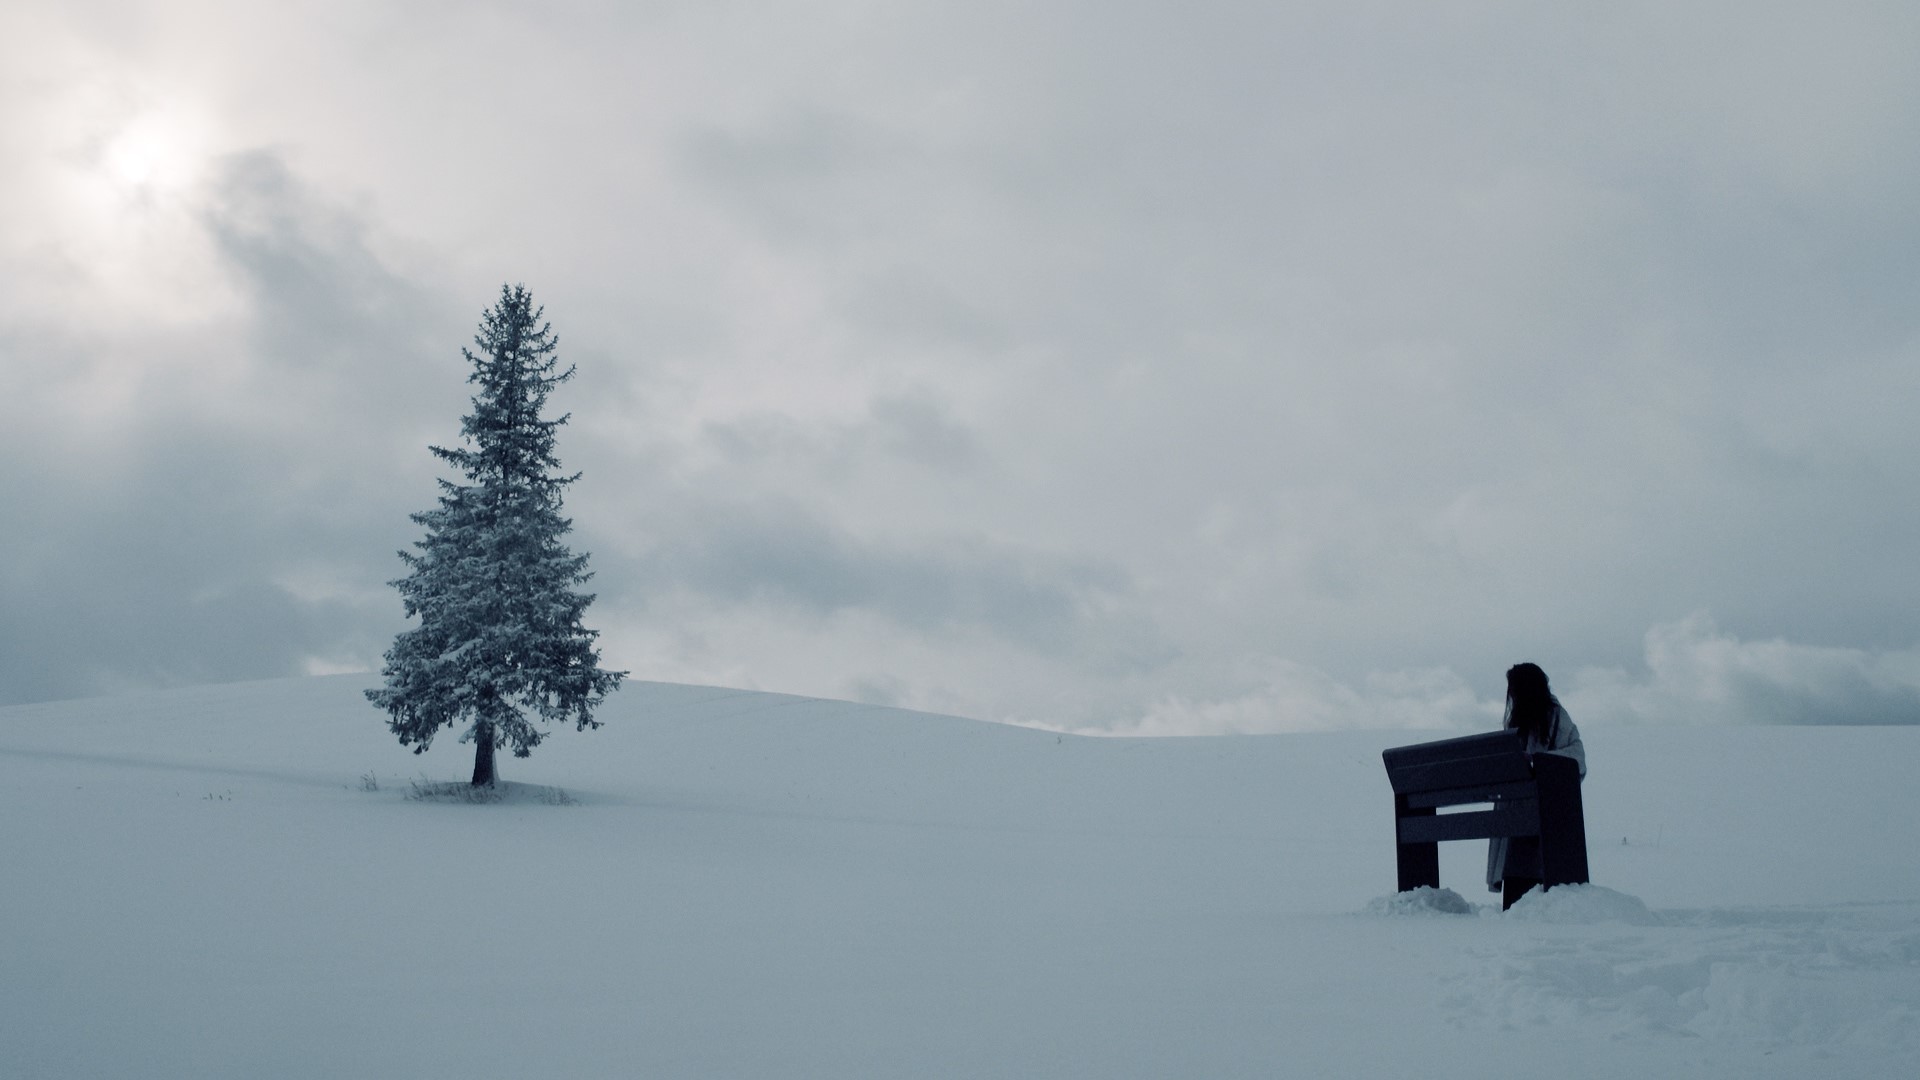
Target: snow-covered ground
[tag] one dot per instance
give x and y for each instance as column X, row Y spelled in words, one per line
column 200, row 883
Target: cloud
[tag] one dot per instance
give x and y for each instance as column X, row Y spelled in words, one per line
column 1293, row 698
column 231, row 509
column 1699, row 674
column 784, row 555
column 1240, row 368
column 913, row 429
column 1694, row 674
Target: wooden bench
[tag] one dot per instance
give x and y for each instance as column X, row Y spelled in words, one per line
column 1532, row 795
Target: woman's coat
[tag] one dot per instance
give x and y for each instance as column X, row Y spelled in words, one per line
column 1564, row 739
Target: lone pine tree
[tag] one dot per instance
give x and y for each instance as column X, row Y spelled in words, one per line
column 499, row 637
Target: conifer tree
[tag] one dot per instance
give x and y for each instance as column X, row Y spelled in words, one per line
column 499, row 640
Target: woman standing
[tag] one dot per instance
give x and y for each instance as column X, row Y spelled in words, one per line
column 1513, row 863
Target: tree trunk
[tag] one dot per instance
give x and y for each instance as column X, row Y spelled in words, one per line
column 483, row 755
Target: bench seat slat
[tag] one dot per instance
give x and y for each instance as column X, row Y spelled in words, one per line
column 1517, row 818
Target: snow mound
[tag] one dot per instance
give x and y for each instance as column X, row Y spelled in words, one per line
column 1580, row 904
column 1425, row 900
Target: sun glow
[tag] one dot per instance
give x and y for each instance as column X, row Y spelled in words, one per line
column 132, row 196
column 133, row 158
column 106, row 235
column 155, row 154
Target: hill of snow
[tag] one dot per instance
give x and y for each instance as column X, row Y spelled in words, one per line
column 234, row 881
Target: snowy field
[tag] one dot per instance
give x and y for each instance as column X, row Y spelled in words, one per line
column 232, row 881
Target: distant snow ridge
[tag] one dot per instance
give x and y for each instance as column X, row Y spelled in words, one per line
column 1425, row 900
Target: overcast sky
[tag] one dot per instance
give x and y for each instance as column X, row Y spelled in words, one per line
column 1149, row 367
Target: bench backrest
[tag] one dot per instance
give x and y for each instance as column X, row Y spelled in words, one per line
column 1466, row 764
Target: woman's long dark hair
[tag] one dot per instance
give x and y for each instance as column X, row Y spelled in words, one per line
column 1530, row 701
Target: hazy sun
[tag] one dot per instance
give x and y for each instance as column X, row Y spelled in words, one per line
column 153, row 154
column 122, row 204
column 132, row 158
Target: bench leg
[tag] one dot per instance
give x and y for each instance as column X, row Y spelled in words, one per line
column 1563, row 822
column 1419, row 863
